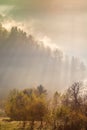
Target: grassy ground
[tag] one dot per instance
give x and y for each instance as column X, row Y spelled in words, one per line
column 5, row 124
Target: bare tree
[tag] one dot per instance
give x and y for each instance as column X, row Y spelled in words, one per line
column 75, row 94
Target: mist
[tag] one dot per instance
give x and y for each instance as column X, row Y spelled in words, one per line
column 27, row 62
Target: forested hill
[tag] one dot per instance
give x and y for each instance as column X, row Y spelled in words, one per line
column 26, row 62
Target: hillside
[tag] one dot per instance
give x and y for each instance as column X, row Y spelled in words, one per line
column 26, row 62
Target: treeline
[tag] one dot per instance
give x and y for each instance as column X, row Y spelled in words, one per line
column 67, row 111
column 22, row 58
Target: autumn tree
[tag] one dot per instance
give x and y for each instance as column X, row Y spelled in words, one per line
column 26, row 106
column 73, row 95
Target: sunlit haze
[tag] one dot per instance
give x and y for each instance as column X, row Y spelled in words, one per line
column 59, row 28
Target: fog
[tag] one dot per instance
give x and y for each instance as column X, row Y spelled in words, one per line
column 27, row 62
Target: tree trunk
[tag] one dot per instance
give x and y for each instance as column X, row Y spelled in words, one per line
column 24, row 124
column 41, row 125
column 32, row 125
column 54, row 125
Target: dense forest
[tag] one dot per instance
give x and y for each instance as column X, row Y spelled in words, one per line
column 25, row 61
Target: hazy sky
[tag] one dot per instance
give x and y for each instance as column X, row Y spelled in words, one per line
column 63, row 21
